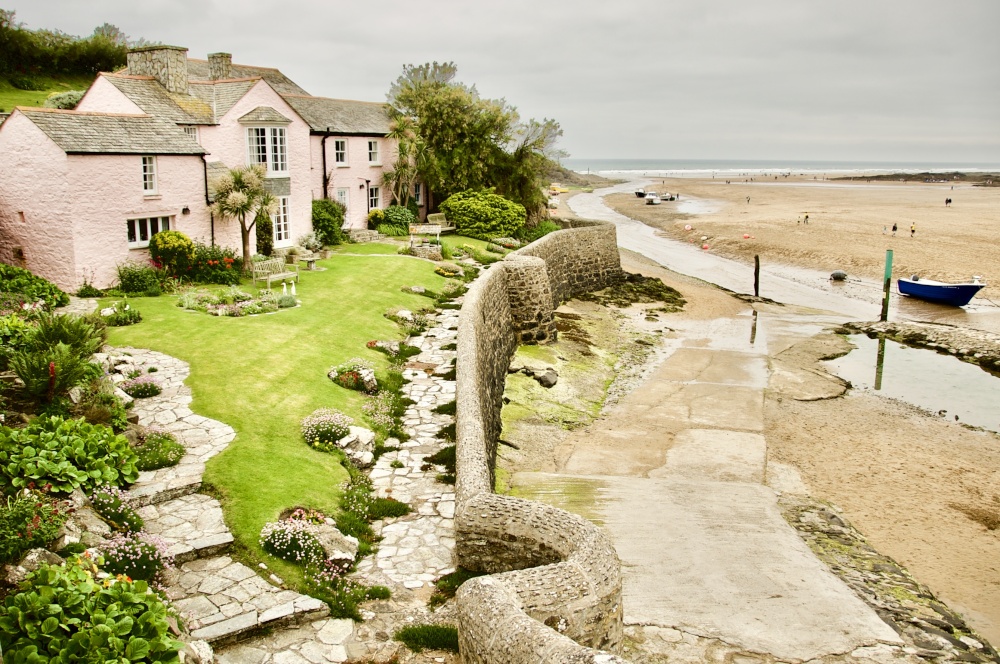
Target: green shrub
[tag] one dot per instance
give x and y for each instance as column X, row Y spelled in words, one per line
column 28, row 522
column 445, row 408
column 134, row 554
column 88, row 290
column 172, row 251
column 392, row 231
column 531, row 233
column 15, row 334
column 64, row 100
column 375, row 217
column 50, row 373
column 264, row 235
column 99, row 405
column 136, row 278
column 483, row 214
column 385, row 508
column 29, row 287
column 343, row 595
column 215, row 265
column 79, row 333
column 287, row 301
column 65, row 611
column 156, row 450
column 398, row 217
column 68, row 454
column 327, row 220
column 293, row 540
column 428, row 637
column 114, row 507
column 446, row 586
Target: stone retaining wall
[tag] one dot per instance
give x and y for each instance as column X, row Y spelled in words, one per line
column 554, row 594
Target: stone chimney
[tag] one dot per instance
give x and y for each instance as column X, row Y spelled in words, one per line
column 167, row 64
column 220, row 66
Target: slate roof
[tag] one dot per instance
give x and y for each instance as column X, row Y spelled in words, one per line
column 264, row 114
column 198, row 71
column 77, row 132
column 341, row 115
column 154, row 100
column 221, row 95
column 216, row 169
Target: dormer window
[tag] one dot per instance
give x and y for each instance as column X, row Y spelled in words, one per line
column 268, row 146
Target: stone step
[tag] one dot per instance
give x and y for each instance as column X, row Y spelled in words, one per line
column 192, row 526
column 159, row 486
column 222, row 601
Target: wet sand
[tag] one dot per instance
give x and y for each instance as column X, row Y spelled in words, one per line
column 846, row 224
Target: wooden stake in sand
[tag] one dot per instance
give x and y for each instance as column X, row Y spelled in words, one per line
column 756, row 275
column 886, row 285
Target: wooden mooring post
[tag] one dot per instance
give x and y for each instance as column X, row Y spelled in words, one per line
column 756, row 275
column 887, row 284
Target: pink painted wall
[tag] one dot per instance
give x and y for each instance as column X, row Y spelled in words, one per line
column 227, row 142
column 103, row 97
column 106, row 190
column 33, row 187
column 353, row 175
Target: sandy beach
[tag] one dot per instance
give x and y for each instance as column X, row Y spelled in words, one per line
column 850, row 224
column 906, row 478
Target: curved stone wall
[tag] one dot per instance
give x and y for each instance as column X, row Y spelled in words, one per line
column 554, row 590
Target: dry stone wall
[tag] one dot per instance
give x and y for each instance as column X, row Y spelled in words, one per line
column 554, row 590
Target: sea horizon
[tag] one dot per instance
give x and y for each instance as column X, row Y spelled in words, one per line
column 752, row 167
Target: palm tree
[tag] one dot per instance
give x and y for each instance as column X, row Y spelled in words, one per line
column 240, row 195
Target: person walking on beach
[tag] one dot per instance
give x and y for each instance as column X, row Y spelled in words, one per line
column 748, row 200
column 894, row 227
column 913, row 229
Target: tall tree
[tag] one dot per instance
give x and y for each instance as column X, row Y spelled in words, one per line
column 240, row 195
column 454, row 140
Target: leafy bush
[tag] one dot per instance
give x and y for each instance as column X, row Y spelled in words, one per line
column 483, row 214
column 428, row 637
column 541, row 229
column 386, row 508
column 310, row 242
column 171, row 250
column 215, row 265
column 327, row 221
column 355, row 374
column 375, row 217
column 63, row 612
column 31, row 288
column 264, row 235
column 287, row 301
column 100, row 405
column 343, row 595
column 396, row 220
column 77, row 332
column 15, row 334
column 88, row 290
column 50, row 373
column 68, row 454
column 116, row 508
column 157, row 449
column 28, row 522
column 137, row 555
column 122, row 314
column 64, row 100
column 136, row 278
column 292, row 540
column 324, row 427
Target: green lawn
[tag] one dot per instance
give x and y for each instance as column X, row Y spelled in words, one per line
column 367, row 248
column 11, row 96
column 263, row 374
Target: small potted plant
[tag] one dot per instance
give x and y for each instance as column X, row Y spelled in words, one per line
column 292, row 254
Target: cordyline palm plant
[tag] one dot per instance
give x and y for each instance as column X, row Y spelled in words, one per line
column 240, row 195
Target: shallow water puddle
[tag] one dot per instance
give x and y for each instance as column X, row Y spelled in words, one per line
column 577, row 494
column 935, row 382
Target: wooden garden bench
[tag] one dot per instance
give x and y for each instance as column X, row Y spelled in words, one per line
column 273, row 269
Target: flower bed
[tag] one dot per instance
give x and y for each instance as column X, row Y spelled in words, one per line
column 325, row 427
column 235, row 302
column 142, row 387
column 355, row 374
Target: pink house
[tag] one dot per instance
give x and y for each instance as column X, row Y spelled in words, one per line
column 224, row 115
column 82, row 192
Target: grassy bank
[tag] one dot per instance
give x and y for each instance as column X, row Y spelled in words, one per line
column 11, row 96
column 263, row 374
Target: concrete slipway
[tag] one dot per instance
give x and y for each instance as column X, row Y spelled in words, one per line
column 682, row 488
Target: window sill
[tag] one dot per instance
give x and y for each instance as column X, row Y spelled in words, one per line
column 374, row 163
column 343, row 165
column 151, row 197
column 137, row 247
column 277, row 174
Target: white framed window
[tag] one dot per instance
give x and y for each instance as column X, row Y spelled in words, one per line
column 373, row 198
column 280, row 220
column 268, row 146
column 191, row 131
column 340, row 151
column 149, row 175
column 373, row 157
column 140, row 230
column 343, row 195
column 418, row 193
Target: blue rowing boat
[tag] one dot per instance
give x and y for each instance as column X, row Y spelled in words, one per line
column 957, row 295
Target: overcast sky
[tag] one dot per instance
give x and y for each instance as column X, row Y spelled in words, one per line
column 871, row 80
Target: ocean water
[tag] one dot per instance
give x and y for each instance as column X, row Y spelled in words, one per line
column 729, row 168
